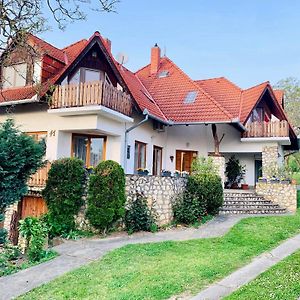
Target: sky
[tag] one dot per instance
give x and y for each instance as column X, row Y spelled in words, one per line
column 246, row 41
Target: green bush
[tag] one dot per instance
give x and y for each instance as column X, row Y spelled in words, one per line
column 3, row 236
column 187, row 209
column 20, row 157
column 235, row 172
column 35, row 231
column 138, row 216
column 106, row 195
column 203, row 194
column 63, row 194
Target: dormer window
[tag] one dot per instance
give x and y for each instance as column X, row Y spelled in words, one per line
column 14, row 76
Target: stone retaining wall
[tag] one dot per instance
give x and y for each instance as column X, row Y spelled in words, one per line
column 159, row 191
column 283, row 194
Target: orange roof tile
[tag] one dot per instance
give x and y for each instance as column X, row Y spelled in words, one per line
column 170, row 92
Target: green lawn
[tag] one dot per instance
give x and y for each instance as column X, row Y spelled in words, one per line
column 158, row 271
column 280, row 282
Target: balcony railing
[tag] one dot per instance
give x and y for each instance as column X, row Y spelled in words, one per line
column 267, row 129
column 39, row 178
column 91, row 93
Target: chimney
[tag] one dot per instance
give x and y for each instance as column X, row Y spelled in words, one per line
column 155, row 59
column 108, row 45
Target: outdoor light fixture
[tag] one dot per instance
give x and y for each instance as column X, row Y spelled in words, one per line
column 94, row 54
column 171, row 158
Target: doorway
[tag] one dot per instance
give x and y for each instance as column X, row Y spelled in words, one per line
column 184, row 160
column 258, row 169
column 157, row 160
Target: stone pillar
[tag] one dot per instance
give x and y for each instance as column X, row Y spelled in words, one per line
column 219, row 162
column 8, row 214
column 270, row 160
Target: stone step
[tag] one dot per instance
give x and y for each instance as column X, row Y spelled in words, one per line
column 250, row 206
column 244, row 199
column 236, row 201
column 257, row 211
column 237, row 195
column 241, row 203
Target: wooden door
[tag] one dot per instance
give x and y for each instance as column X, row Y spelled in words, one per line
column 184, row 160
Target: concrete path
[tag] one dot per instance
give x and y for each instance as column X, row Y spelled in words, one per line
column 246, row 274
column 74, row 254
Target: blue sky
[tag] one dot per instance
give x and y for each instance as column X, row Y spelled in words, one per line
column 245, row 41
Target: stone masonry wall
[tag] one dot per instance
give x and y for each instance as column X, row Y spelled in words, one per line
column 159, row 191
column 219, row 162
column 283, row 194
column 269, row 160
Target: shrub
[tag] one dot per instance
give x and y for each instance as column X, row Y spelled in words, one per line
column 20, row 157
column 106, row 195
column 138, row 216
column 63, row 194
column 207, row 188
column 35, row 232
column 187, row 209
column 3, row 236
column 203, row 194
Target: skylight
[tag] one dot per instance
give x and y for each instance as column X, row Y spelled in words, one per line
column 163, row 74
column 190, row 97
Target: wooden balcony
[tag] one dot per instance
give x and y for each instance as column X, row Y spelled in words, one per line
column 267, row 129
column 91, row 93
column 38, row 180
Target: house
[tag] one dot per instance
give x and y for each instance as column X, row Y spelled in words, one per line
column 88, row 105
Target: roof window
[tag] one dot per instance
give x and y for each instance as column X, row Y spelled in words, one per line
column 190, row 97
column 163, row 74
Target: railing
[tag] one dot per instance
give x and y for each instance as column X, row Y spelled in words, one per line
column 91, row 93
column 267, row 129
column 39, row 178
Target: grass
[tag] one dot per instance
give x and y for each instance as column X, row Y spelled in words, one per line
column 298, row 199
column 279, row 282
column 160, row 270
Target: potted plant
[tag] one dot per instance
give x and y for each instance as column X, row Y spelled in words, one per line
column 274, row 179
column 177, row 174
column 235, row 172
column 165, row 173
column 142, row 172
column 262, row 179
column 185, row 174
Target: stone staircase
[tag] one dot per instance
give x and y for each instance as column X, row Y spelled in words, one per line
column 248, row 202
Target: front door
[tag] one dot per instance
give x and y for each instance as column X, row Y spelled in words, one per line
column 184, row 160
column 258, row 169
column 157, row 160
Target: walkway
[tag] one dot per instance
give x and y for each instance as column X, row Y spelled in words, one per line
column 246, row 274
column 74, row 254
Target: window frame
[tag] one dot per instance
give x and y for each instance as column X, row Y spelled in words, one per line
column 6, row 84
column 136, row 165
column 88, row 151
column 154, row 164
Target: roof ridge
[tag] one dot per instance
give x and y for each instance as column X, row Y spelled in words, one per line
column 200, row 89
column 257, row 85
column 206, row 79
column 73, row 44
column 140, row 69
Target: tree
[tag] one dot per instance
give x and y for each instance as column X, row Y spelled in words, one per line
column 20, row 17
column 291, row 88
column 20, row 157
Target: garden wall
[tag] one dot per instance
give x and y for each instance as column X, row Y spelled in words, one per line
column 281, row 193
column 159, row 191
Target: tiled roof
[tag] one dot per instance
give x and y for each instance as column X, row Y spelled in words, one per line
column 249, row 99
column 224, row 91
column 279, row 96
column 170, row 92
column 13, row 94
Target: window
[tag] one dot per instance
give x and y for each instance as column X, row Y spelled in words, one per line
column 91, row 75
column 14, row 76
column 258, row 115
column 190, row 97
column 139, row 155
column 163, row 74
column 107, row 80
column 38, row 136
column 90, row 149
column 157, row 160
column 86, row 75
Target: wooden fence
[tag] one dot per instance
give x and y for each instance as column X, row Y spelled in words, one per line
column 91, row 93
column 39, row 178
column 267, row 129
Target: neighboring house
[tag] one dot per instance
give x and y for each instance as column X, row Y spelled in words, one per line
column 156, row 118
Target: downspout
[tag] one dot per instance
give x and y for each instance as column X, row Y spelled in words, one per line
column 146, row 114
